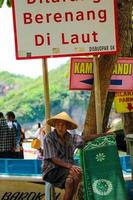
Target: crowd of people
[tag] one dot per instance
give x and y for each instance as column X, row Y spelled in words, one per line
column 11, row 136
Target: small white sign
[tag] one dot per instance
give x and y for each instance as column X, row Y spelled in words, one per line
column 54, row 28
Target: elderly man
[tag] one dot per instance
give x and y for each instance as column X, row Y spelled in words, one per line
column 59, row 146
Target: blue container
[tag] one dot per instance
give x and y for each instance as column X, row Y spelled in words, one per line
column 20, row 167
column 126, row 163
column 77, row 160
column 2, row 166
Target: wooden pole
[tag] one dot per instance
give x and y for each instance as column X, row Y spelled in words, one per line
column 46, row 92
column 97, row 94
column 47, row 111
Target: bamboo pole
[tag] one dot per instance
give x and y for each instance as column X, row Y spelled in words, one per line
column 46, row 92
column 47, row 110
column 97, row 94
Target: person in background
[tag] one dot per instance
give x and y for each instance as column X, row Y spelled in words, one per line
column 40, row 134
column 7, row 139
column 1, row 115
column 59, row 147
column 12, row 122
column 22, row 138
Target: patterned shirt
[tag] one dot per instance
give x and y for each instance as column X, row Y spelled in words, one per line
column 7, row 137
column 17, row 126
column 53, row 148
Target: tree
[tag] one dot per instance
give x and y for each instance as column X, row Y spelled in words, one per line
column 8, row 2
column 106, row 64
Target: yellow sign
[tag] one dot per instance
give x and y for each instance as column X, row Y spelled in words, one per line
column 123, row 102
column 87, row 68
column 83, row 68
column 122, row 69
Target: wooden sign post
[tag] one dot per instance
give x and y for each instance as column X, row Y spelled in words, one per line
column 97, row 95
column 50, row 189
column 46, row 92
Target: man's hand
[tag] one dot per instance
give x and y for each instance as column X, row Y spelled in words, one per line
column 75, row 169
column 94, row 136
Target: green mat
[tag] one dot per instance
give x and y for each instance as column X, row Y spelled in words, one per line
column 102, row 173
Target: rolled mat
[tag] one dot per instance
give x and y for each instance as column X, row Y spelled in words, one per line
column 102, row 173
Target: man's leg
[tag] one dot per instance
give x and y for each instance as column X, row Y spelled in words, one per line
column 71, row 185
column 77, row 180
column 48, row 188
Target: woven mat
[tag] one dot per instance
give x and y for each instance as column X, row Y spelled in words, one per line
column 102, row 173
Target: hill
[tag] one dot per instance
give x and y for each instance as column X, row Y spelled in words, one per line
column 25, row 96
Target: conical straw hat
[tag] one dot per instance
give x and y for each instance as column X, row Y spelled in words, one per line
column 65, row 117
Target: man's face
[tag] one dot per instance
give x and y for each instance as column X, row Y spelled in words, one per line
column 9, row 118
column 61, row 127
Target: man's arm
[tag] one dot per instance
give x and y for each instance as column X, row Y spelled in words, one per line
column 61, row 163
column 73, row 168
column 94, row 136
column 13, row 133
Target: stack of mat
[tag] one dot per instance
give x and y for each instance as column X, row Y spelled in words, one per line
column 102, row 173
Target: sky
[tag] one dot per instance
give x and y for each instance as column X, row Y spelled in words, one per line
column 8, row 62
